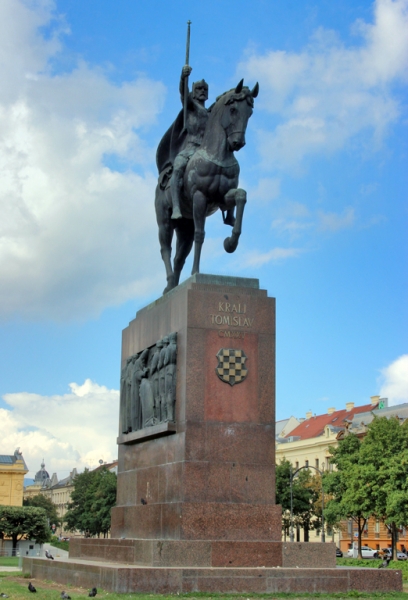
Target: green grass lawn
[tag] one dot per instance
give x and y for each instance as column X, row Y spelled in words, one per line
column 9, row 561
column 16, row 589
column 57, row 544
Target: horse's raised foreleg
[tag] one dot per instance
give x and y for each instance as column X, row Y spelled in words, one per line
column 185, row 237
column 199, row 213
column 238, row 196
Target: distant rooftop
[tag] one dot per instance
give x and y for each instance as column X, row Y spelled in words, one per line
column 314, row 425
column 11, row 459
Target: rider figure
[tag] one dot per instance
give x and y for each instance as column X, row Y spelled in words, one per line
column 196, row 121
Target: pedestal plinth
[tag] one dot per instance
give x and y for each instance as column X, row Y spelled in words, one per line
column 196, row 505
column 209, row 475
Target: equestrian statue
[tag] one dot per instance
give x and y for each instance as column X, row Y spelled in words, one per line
column 198, row 172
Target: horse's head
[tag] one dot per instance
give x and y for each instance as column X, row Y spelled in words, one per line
column 237, row 108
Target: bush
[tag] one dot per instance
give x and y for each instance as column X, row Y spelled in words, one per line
column 402, row 565
column 59, row 544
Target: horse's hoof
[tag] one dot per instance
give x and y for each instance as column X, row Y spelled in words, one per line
column 170, row 285
column 229, row 220
column 230, row 245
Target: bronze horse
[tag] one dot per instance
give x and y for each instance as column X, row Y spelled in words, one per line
column 210, row 183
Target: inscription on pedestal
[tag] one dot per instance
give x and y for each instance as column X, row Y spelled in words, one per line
column 236, row 318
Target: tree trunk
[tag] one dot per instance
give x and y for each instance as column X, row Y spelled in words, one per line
column 306, row 532
column 360, row 524
column 394, row 541
column 14, row 548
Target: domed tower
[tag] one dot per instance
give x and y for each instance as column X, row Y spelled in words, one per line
column 42, row 476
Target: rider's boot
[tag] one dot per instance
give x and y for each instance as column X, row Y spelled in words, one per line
column 176, row 184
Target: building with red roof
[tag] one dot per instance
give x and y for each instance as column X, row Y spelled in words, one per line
column 307, row 445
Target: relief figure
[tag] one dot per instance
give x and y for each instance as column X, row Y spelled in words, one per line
column 170, row 360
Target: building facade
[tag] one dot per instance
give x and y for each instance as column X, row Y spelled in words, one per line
column 12, row 471
column 59, row 492
column 307, row 445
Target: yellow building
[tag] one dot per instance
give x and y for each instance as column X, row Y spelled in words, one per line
column 12, row 471
column 59, row 492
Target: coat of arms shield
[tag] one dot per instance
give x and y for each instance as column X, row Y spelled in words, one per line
column 231, row 365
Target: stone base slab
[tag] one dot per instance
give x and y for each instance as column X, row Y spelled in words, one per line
column 166, row 580
column 202, row 553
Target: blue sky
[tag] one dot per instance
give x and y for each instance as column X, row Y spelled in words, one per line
column 88, row 89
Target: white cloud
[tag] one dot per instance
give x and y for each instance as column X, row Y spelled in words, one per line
column 395, row 381
column 258, row 259
column 73, row 430
column 330, row 93
column 290, row 226
column 292, row 218
column 268, row 189
column 334, row 221
column 72, row 230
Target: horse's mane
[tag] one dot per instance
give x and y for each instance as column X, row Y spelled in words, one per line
column 230, row 96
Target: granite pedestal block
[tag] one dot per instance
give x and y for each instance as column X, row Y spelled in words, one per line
column 196, row 505
column 211, row 476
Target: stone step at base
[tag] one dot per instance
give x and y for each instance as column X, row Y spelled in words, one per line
column 204, row 553
column 172, row 580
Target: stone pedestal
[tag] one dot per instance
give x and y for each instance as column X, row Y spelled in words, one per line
column 210, row 476
column 196, row 505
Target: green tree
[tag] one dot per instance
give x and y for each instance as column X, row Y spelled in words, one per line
column 24, row 523
column 303, row 496
column 104, row 499
column 41, row 501
column 348, row 499
column 92, row 499
column 384, row 472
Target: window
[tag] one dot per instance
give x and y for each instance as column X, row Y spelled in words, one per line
column 317, row 463
column 306, row 463
column 350, row 526
column 297, row 464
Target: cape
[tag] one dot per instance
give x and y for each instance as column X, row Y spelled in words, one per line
column 171, row 143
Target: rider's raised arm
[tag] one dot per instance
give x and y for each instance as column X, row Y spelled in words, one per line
column 185, row 72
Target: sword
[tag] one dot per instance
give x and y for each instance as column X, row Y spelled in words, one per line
column 186, row 78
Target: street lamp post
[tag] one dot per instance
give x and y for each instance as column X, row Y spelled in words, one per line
column 292, row 476
column 291, row 536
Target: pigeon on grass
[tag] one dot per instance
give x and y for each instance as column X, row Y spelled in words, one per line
column 31, row 588
column 385, row 562
column 93, row 593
